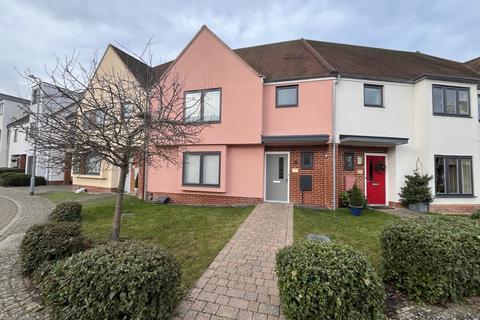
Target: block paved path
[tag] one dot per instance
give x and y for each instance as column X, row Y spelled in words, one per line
column 241, row 283
column 18, row 211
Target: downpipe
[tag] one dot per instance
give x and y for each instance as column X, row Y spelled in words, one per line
column 334, row 145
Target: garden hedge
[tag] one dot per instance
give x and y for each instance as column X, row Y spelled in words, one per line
column 328, row 281
column 12, row 179
column 66, row 211
column 434, row 258
column 117, row 280
column 49, row 242
column 15, row 170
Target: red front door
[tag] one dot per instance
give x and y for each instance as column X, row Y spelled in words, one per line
column 375, row 180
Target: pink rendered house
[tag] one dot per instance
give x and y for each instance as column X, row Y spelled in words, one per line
column 265, row 128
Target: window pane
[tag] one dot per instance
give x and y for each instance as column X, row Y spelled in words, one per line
column 467, row 176
column 191, row 169
column 463, row 102
column 193, row 107
column 211, row 108
column 348, row 161
column 478, row 106
column 287, row 96
column 450, row 101
column 93, row 165
column 211, row 169
column 307, row 160
column 439, row 175
column 280, row 168
column 438, row 100
column 452, row 165
column 373, row 96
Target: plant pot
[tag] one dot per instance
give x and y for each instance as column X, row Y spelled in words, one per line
column 355, row 211
column 418, row 207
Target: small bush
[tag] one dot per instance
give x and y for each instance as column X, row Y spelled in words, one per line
column 416, row 189
column 121, row 280
column 15, row 170
column 356, row 197
column 328, row 281
column 475, row 215
column 20, row 179
column 49, row 242
column 433, row 258
column 66, row 211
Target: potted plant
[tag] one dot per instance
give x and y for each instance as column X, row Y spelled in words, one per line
column 416, row 195
column 357, row 201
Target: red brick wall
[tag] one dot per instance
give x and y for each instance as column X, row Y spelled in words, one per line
column 321, row 194
column 359, row 170
column 205, row 199
column 94, row 189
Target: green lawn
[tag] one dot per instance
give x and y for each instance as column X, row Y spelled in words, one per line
column 362, row 233
column 62, row 196
column 194, row 235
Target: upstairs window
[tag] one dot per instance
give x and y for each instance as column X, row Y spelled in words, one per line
column 1, row 109
column 452, row 101
column 201, row 168
column 15, row 135
column 286, row 96
column 453, row 176
column 94, row 118
column 478, row 107
column 35, row 96
column 127, row 111
column 372, row 95
column 203, row 105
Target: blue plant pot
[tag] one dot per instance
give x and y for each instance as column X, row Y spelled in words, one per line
column 356, row 211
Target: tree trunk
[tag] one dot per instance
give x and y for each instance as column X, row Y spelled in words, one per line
column 119, row 204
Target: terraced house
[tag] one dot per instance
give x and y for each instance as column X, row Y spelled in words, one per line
column 301, row 121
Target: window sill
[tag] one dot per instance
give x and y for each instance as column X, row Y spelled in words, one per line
column 442, row 196
column 452, row 115
column 287, row 106
column 374, row 106
column 203, row 188
column 89, row 176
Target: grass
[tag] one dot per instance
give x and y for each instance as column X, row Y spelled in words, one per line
column 193, row 234
column 362, row 233
column 62, row 196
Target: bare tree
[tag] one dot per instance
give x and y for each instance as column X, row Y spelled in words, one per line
column 115, row 117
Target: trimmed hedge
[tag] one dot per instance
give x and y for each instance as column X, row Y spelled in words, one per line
column 49, row 242
column 328, row 281
column 118, row 280
column 15, row 170
column 434, row 258
column 12, row 179
column 66, row 211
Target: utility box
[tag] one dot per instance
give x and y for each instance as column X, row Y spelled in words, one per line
column 305, row 183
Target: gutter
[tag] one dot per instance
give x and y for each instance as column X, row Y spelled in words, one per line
column 334, row 145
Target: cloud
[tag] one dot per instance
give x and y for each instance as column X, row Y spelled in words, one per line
column 34, row 32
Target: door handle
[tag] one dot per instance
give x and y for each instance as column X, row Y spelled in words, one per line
column 375, row 183
column 276, row 181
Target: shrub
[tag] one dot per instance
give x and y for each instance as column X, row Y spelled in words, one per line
column 20, row 179
column 416, row 189
column 345, row 199
column 120, row 280
column 434, row 258
column 15, row 170
column 66, row 211
column 328, row 281
column 356, row 197
column 475, row 215
column 49, row 242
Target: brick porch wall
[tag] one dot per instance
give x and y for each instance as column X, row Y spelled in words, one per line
column 321, row 194
column 205, row 199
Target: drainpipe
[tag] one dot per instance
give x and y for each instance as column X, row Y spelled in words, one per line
column 334, row 133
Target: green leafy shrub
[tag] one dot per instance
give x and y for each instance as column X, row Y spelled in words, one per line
column 475, row 215
column 14, row 170
column 66, row 211
column 118, row 280
column 49, row 242
column 434, row 258
column 356, row 197
column 416, row 189
column 13, row 179
column 328, row 281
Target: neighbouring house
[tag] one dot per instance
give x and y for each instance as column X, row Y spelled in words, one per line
column 92, row 173
column 10, row 109
column 281, row 115
column 45, row 98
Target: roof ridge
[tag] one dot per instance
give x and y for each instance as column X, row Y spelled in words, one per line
column 477, row 58
column 318, row 56
column 128, row 54
column 362, row 46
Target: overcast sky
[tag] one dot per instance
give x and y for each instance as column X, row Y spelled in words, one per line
column 33, row 32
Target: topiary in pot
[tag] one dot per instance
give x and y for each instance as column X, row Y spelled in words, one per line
column 416, row 194
column 357, row 201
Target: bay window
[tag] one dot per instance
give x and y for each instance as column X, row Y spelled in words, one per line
column 203, row 105
column 201, row 168
column 453, row 175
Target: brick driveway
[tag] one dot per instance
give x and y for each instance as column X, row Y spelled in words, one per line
column 18, row 211
column 240, row 283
